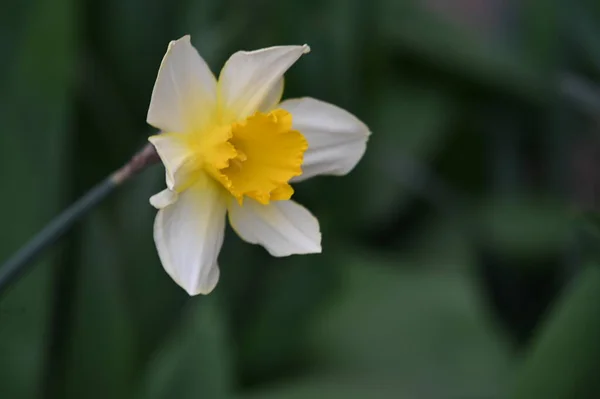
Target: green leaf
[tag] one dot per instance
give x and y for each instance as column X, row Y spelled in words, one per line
column 195, row 361
column 565, row 358
column 101, row 347
column 542, row 25
column 410, row 126
column 332, row 387
column 526, row 226
column 395, row 328
column 275, row 338
column 441, row 44
column 36, row 81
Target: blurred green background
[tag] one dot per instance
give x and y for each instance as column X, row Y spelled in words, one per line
column 445, row 250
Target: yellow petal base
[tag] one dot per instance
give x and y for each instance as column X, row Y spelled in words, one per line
column 255, row 158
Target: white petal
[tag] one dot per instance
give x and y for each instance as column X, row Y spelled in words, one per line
column 282, row 227
column 189, row 235
column 179, row 161
column 184, row 95
column 248, row 77
column 336, row 139
column 163, row 199
column 273, row 97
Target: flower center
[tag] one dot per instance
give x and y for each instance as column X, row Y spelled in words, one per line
column 257, row 158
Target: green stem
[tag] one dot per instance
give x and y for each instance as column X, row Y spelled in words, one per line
column 16, row 265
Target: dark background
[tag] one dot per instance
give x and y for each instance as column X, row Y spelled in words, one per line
column 442, row 249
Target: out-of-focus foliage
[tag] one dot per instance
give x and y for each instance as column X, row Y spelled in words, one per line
column 442, row 249
column 575, row 324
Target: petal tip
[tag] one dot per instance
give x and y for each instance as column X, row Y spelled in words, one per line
column 205, row 285
column 305, row 49
column 183, row 39
column 194, row 291
column 189, row 260
column 163, row 199
column 317, row 249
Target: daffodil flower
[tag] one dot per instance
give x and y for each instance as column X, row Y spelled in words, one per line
column 231, row 147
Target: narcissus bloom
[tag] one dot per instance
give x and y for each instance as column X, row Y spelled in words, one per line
column 231, row 147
